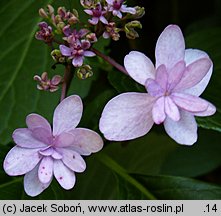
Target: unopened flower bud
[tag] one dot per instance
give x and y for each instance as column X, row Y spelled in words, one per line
column 91, row 37
column 130, row 31
column 84, row 72
column 50, row 9
column 61, row 12
column 72, row 19
column 75, row 12
column 89, row 3
column 60, row 27
column 112, row 31
column 43, row 13
column 57, row 56
column 140, row 12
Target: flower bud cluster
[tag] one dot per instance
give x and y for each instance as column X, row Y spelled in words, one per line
column 70, row 42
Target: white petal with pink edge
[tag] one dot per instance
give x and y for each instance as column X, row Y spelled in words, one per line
column 86, row 141
column 127, row 116
column 170, row 47
column 65, row 176
column 183, row 131
column 23, row 137
column 192, row 55
column 67, row 114
column 208, row 112
column 45, row 170
column 19, row 160
column 194, row 73
column 139, row 67
column 189, row 102
column 158, row 111
column 34, row 121
column 33, row 187
column 73, row 160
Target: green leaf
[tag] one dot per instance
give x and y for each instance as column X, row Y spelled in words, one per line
column 144, row 155
column 199, row 159
column 209, row 40
column 179, row 188
column 113, row 165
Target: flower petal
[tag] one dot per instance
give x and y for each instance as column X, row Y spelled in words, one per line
column 208, row 112
column 110, row 2
column 65, row 51
column 158, row 111
column 78, row 61
column 162, row 77
column 72, row 160
column 171, row 109
column 89, row 12
column 139, row 67
column 86, row 141
column 103, row 20
column 153, row 88
column 23, row 137
column 94, row 21
column 45, row 170
column 34, row 121
column 89, row 54
column 19, row 160
column 194, row 73
column 183, row 131
column 65, row 139
column 126, row 9
column 67, row 114
column 32, row 185
column 192, row 55
column 170, row 47
column 127, row 116
column 189, row 102
column 176, row 74
column 65, row 177
column 42, row 135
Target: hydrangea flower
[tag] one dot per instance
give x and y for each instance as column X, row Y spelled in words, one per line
column 174, row 86
column 97, row 14
column 41, row 152
column 117, row 6
column 77, row 51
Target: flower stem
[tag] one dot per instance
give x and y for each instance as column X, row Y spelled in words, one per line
column 110, row 61
column 68, row 76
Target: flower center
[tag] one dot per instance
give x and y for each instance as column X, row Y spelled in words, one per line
column 117, row 4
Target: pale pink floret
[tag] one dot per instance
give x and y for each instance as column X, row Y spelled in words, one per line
column 174, row 86
column 41, row 152
column 117, row 6
column 77, row 51
column 97, row 14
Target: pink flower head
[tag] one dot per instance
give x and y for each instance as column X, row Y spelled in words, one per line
column 45, row 33
column 41, row 152
column 117, row 6
column 77, row 51
column 97, row 14
column 174, row 86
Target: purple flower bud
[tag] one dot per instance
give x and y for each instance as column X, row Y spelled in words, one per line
column 45, row 33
